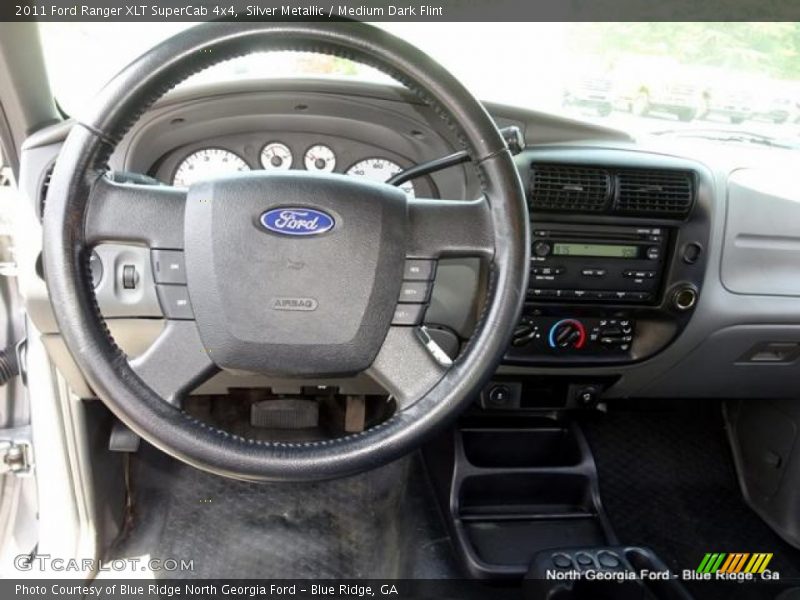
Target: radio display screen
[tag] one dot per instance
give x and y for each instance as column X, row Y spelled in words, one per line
column 601, row 250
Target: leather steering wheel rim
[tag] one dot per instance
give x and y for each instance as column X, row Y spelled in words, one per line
column 106, row 368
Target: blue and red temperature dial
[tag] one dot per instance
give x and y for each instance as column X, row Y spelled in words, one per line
column 567, row 333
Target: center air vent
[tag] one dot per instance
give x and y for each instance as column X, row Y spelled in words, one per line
column 570, row 189
column 654, row 192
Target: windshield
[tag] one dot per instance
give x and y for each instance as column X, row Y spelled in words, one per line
column 736, row 82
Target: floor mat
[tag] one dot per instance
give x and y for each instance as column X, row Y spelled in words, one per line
column 380, row 524
column 667, row 481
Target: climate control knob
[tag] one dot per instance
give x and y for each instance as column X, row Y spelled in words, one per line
column 568, row 334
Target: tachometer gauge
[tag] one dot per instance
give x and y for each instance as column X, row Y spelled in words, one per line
column 207, row 164
column 276, row 156
column 320, row 158
column 380, row 169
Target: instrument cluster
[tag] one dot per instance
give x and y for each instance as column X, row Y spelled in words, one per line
column 207, row 163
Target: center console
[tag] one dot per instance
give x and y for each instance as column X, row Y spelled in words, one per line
column 619, row 243
column 617, row 257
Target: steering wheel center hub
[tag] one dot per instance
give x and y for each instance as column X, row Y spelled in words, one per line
column 294, row 273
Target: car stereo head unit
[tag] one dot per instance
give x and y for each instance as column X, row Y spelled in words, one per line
column 601, row 264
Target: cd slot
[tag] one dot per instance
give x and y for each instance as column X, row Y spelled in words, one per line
column 589, row 235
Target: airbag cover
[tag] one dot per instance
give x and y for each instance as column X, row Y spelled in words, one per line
column 294, row 273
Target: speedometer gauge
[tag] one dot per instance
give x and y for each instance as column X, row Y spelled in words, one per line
column 207, row 164
column 380, row 169
column 275, row 156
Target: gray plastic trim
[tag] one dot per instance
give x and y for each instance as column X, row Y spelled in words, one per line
column 112, row 297
column 761, row 253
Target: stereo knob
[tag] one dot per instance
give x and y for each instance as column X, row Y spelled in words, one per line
column 541, row 248
column 567, row 333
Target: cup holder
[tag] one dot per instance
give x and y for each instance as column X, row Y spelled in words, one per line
column 526, row 494
column 517, row 448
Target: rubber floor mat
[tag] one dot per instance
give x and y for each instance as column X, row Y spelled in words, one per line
column 667, row 481
column 380, row 524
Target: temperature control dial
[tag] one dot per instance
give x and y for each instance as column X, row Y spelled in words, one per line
column 567, row 333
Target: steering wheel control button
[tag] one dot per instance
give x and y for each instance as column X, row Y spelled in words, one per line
column 408, row 314
column 175, row 302
column 562, row 561
column 130, row 277
column 168, row 266
column 415, row 292
column 419, row 269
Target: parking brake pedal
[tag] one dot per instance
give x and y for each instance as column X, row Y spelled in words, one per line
column 285, row 414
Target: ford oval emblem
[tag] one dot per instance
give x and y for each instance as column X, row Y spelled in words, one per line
column 297, row 221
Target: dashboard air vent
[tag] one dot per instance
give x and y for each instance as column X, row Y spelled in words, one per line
column 654, row 192
column 569, row 188
column 43, row 187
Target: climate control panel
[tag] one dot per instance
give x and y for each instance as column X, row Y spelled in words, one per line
column 540, row 335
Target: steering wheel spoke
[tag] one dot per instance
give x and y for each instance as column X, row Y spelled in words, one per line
column 176, row 362
column 450, row 228
column 409, row 364
column 124, row 212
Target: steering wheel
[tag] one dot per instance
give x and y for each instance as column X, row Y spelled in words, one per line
column 240, row 236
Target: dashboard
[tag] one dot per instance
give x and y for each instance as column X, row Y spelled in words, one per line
column 656, row 271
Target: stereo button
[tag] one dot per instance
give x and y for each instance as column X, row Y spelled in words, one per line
column 638, row 296
column 593, row 272
column 541, row 248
